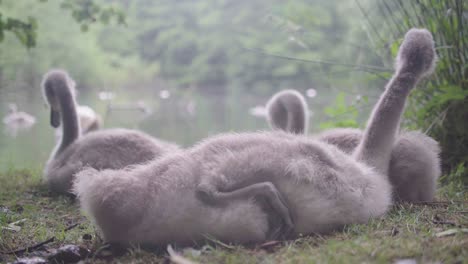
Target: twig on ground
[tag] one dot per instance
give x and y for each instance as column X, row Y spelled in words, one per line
column 441, row 222
column 270, row 244
column 40, row 244
column 217, row 242
column 441, row 202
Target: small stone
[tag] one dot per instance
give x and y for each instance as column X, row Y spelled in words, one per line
column 18, row 208
column 5, row 210
column 193, row 252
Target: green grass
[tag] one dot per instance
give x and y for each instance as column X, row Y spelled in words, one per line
column 408, row 231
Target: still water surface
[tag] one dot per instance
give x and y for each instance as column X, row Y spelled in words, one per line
column 180, row 118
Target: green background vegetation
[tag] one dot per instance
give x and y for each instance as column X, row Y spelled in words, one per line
column 243, row 49
column 224, row 57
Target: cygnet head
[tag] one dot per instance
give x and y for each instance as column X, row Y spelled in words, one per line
column 57, row 85
column 417, row 53
column 12, row 108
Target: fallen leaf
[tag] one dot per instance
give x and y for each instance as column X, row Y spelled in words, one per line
column 68, row 254
column 15, row 226
column 451, row 232
column 19, row 222
column 405, row 261
column 33, row 260
column 176, row 258
column 270, row 244
column 194, row 252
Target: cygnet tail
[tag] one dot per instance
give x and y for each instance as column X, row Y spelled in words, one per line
column 287, row 110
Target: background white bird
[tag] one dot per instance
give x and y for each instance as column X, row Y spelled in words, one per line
column 16, row 121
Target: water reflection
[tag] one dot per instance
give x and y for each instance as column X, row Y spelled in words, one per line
column 258, row 111
column 180, row 118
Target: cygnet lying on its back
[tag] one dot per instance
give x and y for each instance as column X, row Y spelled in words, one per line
column 249, row 187
column 414, row 164
column 104, row 149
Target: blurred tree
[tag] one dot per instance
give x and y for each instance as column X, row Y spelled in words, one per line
column 213, row 44
column 237, row 48
column 85, row 12
column 57, row 42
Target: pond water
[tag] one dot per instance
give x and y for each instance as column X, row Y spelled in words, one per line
column 181, row 118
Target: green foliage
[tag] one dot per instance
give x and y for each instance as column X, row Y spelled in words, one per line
column 213, row 44
column 455, row 182
column 24, row 31
column 85, row 12
column 341, row 114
